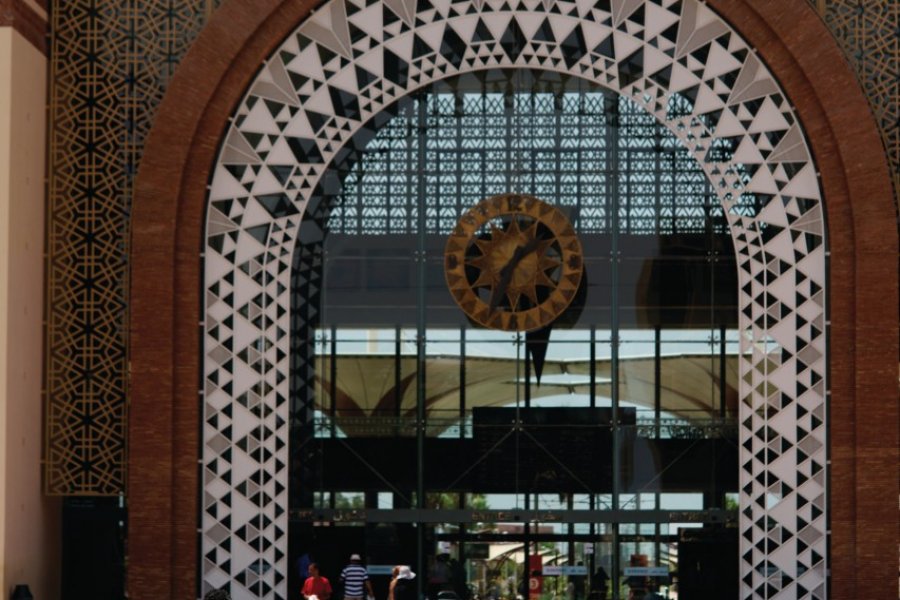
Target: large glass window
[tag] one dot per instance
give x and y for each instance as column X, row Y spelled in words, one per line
column 596, row 457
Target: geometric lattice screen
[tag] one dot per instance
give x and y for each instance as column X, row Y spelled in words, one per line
column 110, row 64
column 350, row 60
column 869, row 33
column 655, row 196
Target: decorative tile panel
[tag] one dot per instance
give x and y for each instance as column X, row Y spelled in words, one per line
column 869, row 34
column 110, row 64
column 353, row 58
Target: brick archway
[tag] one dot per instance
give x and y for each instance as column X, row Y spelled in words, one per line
column 167, row 239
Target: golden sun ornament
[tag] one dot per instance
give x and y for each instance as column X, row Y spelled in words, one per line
column 513, row 262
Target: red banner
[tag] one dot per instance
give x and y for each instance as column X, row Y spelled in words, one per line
column 535, row 578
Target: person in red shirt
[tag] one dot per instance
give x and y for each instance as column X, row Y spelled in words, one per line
column 316, row 585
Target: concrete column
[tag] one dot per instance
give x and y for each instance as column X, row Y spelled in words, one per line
column 29, row 522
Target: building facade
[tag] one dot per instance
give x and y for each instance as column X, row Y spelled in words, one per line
column 197, row 334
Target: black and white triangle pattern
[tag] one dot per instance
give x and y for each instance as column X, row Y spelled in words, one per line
column 352, row 58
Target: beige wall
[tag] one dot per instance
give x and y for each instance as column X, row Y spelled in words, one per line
column 29, row 523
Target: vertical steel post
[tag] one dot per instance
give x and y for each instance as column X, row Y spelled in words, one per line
column 657, row 380
column 612, row 138
column 462, row 382
column 332, row 385
column 421, row 268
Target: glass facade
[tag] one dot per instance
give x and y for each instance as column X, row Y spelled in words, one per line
column 596, row 457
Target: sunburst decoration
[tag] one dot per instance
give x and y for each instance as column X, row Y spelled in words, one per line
column 513, row 263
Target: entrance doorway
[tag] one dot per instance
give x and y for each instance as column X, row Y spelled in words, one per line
column 545, row 554
column 418, row 433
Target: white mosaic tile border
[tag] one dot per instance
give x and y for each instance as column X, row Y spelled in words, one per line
column 352, row 58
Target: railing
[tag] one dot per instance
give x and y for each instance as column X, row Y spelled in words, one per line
column 687, row 429
column 449, row 427
column 513, row 515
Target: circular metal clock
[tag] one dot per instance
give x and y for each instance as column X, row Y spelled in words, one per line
column 513, row 262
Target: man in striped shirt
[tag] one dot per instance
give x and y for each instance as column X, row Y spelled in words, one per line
column 356, row 580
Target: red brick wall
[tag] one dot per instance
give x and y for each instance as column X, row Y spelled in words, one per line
column 26, row 20
column 167, row 226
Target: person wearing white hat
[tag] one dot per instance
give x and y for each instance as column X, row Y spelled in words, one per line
column 403, row 587
column 355, row 578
